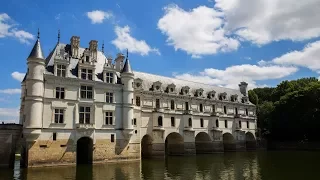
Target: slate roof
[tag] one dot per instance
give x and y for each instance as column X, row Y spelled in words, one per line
column 36, row 51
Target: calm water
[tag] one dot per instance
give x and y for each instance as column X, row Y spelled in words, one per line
column 229, row 166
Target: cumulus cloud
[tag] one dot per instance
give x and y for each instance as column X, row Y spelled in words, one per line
column 124, row 41
column 9, row 115
column 10, row 91
column 98, row 16
column 18, row 75
column 198, row 32
column 233, row 75
column 8, row 29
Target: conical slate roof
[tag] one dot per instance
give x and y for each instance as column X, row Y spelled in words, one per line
column 36, row 52
column 126, row 67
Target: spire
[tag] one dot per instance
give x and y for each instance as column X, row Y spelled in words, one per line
column 58, row 36
column 102, row 47
column 36, row 50
column 127, row 67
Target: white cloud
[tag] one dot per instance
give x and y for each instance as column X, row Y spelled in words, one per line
column 10, row 91
column 198, row 32
column 9, row 112
column 263, row 21
column 233, row 75
column 8, row 29
column 125, row 41
column 18, row 76
column 98, row 16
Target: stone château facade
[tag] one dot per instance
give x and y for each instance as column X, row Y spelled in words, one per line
column 79, row 106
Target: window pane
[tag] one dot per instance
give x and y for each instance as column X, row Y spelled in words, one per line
column 81, row 118
column 56, row 118
column 87, row 118
column 89, row 95
column 87, row 109
column 64, row 73
column 83, row 94
column 61, row 118
column 62, row 95
column 81, row 109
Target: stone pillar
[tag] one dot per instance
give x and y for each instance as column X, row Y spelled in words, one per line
column 158, row 149
column 217, row 146
column 76, row 113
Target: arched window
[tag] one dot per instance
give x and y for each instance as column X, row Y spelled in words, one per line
column 172, row 104
column 201, row 108
column 225, row 123
column 217, row 123
column 173, row 123
column 190, row 122
column 160, row 121
column 201, row 122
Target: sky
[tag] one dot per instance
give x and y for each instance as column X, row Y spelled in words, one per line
column 217, row 42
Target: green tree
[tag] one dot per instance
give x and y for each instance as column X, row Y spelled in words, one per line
column 253, row 97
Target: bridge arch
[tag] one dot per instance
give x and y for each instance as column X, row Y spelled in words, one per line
column 84, row 150
column 146, row 146
column 229, row 143
column 174, row 144
column 250, row 141
column 203, row 143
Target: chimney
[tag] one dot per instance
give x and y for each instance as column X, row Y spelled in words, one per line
column 243, row 86
column 119, row 61
column 75, row 43
column 109, row 58
column 93, row 47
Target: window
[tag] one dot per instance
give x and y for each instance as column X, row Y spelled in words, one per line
column 157, row 103
column 86, row 92
column 54, row 136
column 190, row 122
column 87, row 58
column 84, row 115
column 217, row 123
column 213, row 108
column 201, row 122
column 86, row 74
column 109, row 77
column 108, row 118
column 61, row 70
column 187, row 106
column 60, row 92
column 240, row 125
column 201, row 108
column 132, row 101
column 138, row 100
column 236, row 111
column 160, row 121
column 58, row 116
column 173, row 123
column 172, row 104
column 247, row 112
column 112, row 137
column 109, row 97
column 134, row 121
column 248, row 125
column 225, row 109
column 225, row 123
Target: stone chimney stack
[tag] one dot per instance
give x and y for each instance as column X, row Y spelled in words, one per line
column 119, row 61
column 93, row 47
column 109, row 58
column 243, row 86
column 75, row 44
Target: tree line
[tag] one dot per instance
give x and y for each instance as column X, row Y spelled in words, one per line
column 290, row 111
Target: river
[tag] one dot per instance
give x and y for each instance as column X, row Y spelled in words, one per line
column 282, row 165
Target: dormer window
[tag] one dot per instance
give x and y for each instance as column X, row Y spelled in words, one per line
column 199, row 92
column 171, row 88
column 87, row 58
column 211, row 94
column 223, row 96
column 234, row 98
column 61, row 70
column 109, row 77
column 185, row 90
column 86, row 74
column 244, row 99
column 157, row 86
column 138, row 83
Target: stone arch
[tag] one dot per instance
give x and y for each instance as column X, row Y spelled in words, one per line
column 146, row 146
column 203, row 143
column 84, row 150
column 229, row 143
column 250, row 141
column 174, row 144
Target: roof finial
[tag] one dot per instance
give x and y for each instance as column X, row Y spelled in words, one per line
column 38, row 34
column 127, row 53
column 59, row 36
column 102, row 47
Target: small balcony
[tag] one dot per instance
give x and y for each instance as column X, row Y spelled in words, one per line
column 237, row 116
column 158, row 128
column 238, row 128
column 214, row 128
column 214, row 114
column 187, row 112
column 158, row 109
column 189, row 128
column 85, row 126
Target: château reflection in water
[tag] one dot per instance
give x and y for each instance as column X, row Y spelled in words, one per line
column 224, row 166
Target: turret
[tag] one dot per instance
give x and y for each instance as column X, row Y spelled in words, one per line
column 34, row 83
column 243, row 86
column 127, row 78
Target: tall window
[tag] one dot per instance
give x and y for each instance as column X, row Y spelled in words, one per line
column 112, row 137
column 172, row 104
column 86, row 74
column 190, row 122
column 109, row 77
column 86, row 92
column 160, row 121
column 187, row 106
column 134, row 121
column 213, row 108
column 61, row 70
column 84, row 115
column 109, row 97
column 60, row 92
column 236, row 111
column 157, row 103
column 247, row 124
column 217, row 123
column 225, row 123
column 201, row 122
column 247, row 112
column 87, row 58
column 225, row 109
column 58, row 116
column 54, row 136
column 109, row 118
column 201, row 108
column 137, row 100
column 240, row 124
column 173, row 123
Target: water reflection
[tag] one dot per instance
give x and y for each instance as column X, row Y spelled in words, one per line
column 228, row 166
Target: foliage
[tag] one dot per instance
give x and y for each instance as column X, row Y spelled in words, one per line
column 290, row 111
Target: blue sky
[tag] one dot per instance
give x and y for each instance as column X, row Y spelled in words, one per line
column 218, row 42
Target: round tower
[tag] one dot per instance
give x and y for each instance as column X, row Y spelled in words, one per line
column 127, row 78
column 34, row 83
